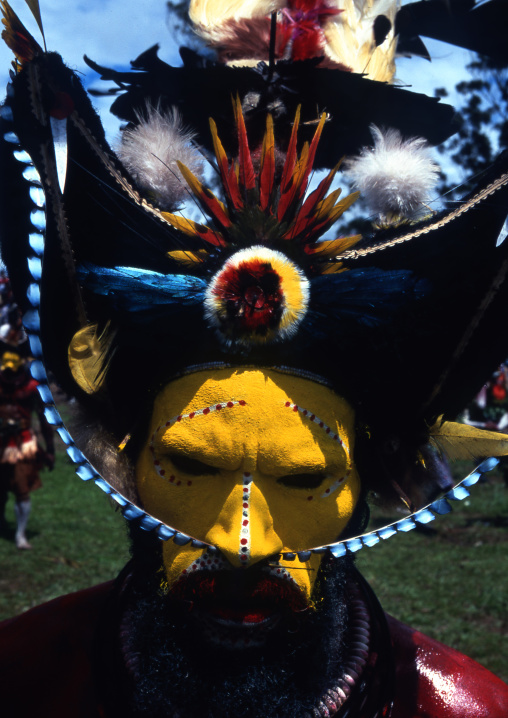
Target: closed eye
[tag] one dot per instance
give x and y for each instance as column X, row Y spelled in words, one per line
column 302, row 481
column 191, row 466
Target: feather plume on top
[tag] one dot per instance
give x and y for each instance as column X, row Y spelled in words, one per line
column 396, row 176
column 150, row 151
column 353, row 35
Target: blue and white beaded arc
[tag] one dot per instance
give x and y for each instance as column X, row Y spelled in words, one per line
column 31, row 321
column 423, row 516
column 86, row 471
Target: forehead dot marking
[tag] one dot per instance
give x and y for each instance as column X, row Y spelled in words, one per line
column 335, row 437
column 200, row 412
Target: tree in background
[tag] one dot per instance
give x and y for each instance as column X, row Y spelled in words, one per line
column 483, row 123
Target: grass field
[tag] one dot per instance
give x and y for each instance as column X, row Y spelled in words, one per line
column 449, row 581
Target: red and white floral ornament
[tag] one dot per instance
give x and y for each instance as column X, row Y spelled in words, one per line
column 258, row 296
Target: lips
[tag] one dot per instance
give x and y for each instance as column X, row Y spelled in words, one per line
column 238, row 606
column 245, row 615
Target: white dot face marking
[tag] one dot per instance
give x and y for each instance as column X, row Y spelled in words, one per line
column 172, row 479
column 333, row 437
column 208, row 561
column 245, row 545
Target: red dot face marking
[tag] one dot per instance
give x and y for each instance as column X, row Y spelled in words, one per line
column 205, row 562
column 176, row 419
column 332, row 435
column 245, row 546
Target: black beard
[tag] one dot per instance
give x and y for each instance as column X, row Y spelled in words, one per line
column 173, row 671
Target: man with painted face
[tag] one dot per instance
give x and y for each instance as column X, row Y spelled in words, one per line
column 255, row 463
column 275, row 396
column 21, row 457
column 258, row 464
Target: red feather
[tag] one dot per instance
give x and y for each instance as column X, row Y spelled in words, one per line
column 247, row 174
column 288, row 169
column 267, row 167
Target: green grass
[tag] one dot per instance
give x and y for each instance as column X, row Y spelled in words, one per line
column 449, row 581
column 78, row 539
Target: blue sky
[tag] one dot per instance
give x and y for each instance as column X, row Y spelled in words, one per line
column 111, row 32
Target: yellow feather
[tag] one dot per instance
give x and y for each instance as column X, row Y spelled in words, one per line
column 89, row 356
column 461, row 441
column 197, row 187
column 187, row 258
column 300, row 168
column 333, row 247
column 344, row 204
column 334, row 268
column 187, row 226
column 326, row 205
column 350, row 38
column 36, row 12
column 220, row 153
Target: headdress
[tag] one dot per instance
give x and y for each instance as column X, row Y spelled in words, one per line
column 402, row 322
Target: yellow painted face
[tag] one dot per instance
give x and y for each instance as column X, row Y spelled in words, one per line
column 253, row 461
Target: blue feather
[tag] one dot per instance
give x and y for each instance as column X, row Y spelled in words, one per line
column 140, row 290
column 368, row 297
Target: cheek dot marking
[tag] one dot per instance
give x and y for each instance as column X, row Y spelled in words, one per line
column 199, row 412
column 332, row 435
column 245, row 547
column 206, row 562
column 279, row 572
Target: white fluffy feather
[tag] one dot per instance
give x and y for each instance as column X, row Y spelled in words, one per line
column 396, row 176
column 149, row 152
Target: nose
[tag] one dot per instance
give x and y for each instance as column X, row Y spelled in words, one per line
column 244, row 530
